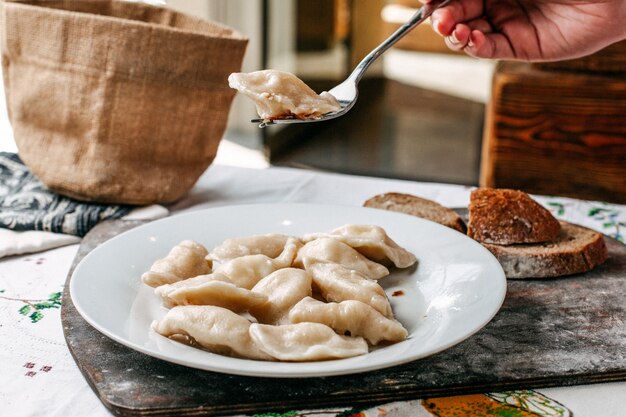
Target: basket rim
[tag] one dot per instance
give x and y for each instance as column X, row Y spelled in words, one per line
column 232, row 34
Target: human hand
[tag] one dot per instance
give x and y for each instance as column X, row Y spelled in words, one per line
column 530, row 30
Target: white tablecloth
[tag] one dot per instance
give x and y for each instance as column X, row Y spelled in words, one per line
column 38, row 376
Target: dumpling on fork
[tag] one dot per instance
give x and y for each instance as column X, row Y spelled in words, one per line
column 185, row 260
column 214, row 328
column 350, row 316
column 282, row 95
column 371, row 241
column 214, row 289
column 327, row 249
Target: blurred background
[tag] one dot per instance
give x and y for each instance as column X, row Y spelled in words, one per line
column 421, row 109
column 426, row 113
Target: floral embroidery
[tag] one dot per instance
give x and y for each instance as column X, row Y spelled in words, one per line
column 33, row 308
column 558, row 209
column 31, row 365
column 609, row 219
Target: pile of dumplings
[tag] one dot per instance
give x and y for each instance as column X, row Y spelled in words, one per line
column 282, row 298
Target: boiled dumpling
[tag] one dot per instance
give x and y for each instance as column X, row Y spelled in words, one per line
column 305, row 342
column 336, row 283
column 247, row 270
column 332, row 250
column 214, row 328
column 185, row 260
column 214, row 289
column 270, row 245
column 371, row 241
column 351, row 316
column 282, row 95
column 283, row 288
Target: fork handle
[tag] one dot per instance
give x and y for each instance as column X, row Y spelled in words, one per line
column 422, row 14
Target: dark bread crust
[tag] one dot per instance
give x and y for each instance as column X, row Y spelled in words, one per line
column 506, row 217
column 419, row 207
column 575, row 250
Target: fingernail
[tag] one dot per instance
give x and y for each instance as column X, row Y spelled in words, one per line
column 470, row 41
column 453, row 38
column 435, row 24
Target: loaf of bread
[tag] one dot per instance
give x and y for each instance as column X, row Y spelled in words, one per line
column 576, row 249
column 505, row 217
column 419, row 207
column 500, row 219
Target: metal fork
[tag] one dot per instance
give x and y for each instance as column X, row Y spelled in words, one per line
column 347, row 92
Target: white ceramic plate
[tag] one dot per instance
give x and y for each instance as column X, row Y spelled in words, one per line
column 457, row 287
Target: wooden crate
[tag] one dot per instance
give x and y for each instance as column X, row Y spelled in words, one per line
column 556, row 132
column 315, row 25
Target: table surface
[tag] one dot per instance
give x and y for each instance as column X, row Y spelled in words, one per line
column 38, row 376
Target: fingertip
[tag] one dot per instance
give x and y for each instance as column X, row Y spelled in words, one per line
column 462, row 33
column 458, row 38
column 476, row 39
column 442, row 22
column 476, row 45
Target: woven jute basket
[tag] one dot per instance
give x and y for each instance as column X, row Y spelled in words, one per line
column 116, row 102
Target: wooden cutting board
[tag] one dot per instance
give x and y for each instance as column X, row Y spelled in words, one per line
column 553, row 332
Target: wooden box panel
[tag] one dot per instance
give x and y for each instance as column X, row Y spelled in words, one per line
column 315, row 25
column 551, row 132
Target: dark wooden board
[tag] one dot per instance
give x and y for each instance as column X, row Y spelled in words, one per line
column 553, row 332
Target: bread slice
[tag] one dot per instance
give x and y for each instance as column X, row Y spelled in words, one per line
column 505, row 217
column 576, row 249
column 419, row 207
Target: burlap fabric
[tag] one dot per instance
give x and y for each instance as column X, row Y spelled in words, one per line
column 116, row 102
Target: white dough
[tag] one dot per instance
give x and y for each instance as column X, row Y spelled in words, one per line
column 283, row 288
column 214, row 289
column 327, row 249
column 371, row 241
column 336, row 283
column 355, row 317
column 305, row 342
column 185, row 260
column 247, row 270
column 214, row 328
column 270, row 245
